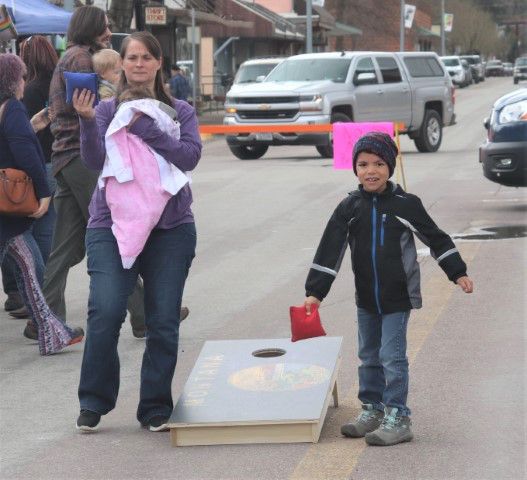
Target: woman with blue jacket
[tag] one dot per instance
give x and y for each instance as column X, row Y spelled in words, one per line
column 20, row 149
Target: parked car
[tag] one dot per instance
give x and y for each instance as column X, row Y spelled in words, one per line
column 319, row 88
column 477, row 67
column 468, row 71
column 460, row 74
column 504, row 153
column 256, row 69
column 508, row 69
column 520, row 69
column 494, row 68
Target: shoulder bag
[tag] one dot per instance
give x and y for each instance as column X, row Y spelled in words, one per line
column 17, row 194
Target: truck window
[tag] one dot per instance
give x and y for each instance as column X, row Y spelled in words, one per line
column 311, row 69
column 423, row 67
column 365, row 65
column 389, row 69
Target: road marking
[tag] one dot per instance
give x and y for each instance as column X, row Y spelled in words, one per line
column 335, row 457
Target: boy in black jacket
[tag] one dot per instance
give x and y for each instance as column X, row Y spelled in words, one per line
column 378, row 222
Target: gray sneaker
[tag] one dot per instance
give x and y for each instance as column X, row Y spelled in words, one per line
column 393, row 429
column 368, row 420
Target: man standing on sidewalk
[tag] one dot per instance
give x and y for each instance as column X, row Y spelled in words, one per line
column 88, row 32
column 179, row 86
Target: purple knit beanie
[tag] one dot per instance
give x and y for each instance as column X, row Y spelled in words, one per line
column 380, row 144
column 12, row 69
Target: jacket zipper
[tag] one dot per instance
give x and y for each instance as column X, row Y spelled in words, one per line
column 373, row 253
column 382, row 229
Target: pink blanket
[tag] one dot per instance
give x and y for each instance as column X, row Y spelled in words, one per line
column 345, row 136
column 136, row 206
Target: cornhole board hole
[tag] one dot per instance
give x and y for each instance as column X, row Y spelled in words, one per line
column 257, row 391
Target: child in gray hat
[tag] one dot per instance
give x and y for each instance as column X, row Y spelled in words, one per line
column 378, row 222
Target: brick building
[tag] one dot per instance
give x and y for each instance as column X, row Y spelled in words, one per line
column 379, row 21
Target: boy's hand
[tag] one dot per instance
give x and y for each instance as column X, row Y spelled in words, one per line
column 311, row 301
column 466, row 284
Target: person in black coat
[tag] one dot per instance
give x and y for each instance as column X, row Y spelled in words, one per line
column 378, row 222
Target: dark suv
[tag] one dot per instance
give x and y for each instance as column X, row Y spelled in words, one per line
column 478, row 72
column 504, row 154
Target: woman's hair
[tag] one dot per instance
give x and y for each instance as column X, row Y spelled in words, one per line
column 39, row 56
column 105, row 59
column 12, row 71
column 86, row 24
column 152, row 45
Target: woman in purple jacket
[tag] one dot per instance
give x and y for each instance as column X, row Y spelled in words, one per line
column 163, row 264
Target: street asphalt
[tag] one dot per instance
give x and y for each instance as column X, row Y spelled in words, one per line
column 258, row 224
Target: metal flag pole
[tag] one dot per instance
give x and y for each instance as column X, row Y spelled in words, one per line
column 401, row 28
column 442, row 27
column 309, row 27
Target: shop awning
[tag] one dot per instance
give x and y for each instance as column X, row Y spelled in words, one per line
column 33, row 17
column 424, row 32
column 341, row 30
column 185, row 15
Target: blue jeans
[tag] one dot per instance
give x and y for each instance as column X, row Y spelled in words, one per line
column 42, row 232
column 383, row 373
column 164, row 264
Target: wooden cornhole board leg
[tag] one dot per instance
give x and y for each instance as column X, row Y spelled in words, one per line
column 231, row 410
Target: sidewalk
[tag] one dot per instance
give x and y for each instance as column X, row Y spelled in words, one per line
column 211, row 117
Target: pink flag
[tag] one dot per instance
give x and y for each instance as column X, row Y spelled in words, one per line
column 345, row 135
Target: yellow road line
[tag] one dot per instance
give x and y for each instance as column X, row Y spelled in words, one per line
column 335, row 457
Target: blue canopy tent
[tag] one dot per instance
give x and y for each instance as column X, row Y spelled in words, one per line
column 33, row 17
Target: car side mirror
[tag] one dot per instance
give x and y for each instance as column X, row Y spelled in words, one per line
column 486, row 123
column 260, row 78
column 365, row 78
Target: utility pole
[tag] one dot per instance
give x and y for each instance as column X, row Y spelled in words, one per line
column 442, row 27
column 309, row 27
column 401, row 27
column 194, row 62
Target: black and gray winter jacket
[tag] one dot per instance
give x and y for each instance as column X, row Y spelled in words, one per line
column 379, row 230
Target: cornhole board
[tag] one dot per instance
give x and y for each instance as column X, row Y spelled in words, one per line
column 257, row 391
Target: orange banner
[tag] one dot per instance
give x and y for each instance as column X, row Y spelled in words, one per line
column 290, row 128
column 230, row 129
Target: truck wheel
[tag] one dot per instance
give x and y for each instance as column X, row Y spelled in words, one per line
column 248, row 152
column 326, row 151
column 430, row 134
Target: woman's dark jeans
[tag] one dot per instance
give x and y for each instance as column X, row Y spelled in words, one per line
column 164, row 264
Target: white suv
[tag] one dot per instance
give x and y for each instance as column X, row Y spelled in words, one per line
column 455, row 68
column 255, row 70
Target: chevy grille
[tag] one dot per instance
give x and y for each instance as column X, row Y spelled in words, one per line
column 267, row 114
column 254, row 100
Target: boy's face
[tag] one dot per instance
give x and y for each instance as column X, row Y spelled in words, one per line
column 113, row 74
column 373, row 172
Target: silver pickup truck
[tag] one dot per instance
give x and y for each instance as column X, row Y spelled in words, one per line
column 412, row 88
